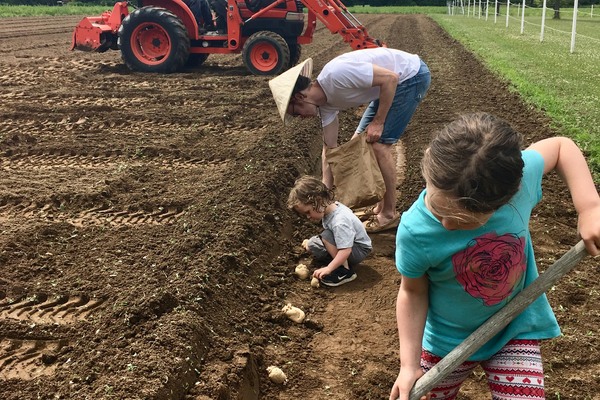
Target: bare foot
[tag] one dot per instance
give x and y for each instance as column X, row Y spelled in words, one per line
column 375, row 225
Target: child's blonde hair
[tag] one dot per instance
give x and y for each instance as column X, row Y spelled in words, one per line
column 477, row 159
column 310, row 191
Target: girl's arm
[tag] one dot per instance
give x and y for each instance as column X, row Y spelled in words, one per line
column 411, row 312
column 563, row 155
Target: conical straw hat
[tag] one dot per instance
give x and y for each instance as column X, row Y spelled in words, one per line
column 282, row 86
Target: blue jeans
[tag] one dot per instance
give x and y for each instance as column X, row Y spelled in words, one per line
column 408, row 96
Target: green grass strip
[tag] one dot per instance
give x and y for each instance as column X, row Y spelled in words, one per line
column 565, row 85
column 7, row 11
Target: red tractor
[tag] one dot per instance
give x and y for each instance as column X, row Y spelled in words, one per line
column 163, row 35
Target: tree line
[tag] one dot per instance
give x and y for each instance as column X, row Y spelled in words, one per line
column 372, row 3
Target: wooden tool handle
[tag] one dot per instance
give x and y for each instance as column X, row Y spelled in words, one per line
column 498, row 321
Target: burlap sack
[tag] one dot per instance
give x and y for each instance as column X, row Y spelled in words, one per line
column 356, row 175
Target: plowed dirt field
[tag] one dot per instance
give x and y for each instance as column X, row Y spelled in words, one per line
column 146, row 251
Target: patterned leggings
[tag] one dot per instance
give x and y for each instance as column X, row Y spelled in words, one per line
column 515, row 372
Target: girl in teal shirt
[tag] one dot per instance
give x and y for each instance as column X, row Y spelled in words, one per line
column 464, row 250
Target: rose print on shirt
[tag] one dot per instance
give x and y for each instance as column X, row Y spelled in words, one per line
column 491, row 266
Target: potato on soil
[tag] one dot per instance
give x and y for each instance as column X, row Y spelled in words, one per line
column 293, row 313
column 302, row 271
column 276, row 375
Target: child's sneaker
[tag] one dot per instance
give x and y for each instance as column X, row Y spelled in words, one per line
column 338, row 277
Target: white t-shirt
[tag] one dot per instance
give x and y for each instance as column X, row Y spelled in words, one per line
column 347, row 80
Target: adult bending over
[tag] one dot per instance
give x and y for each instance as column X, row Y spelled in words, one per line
column 392, row 82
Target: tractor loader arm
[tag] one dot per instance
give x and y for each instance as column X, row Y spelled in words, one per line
column 336, row 17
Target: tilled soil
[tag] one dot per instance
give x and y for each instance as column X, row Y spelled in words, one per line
column 146, row 251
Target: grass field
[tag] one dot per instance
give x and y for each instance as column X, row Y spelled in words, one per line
column 397, row 10
column 563, row 84
column 67, row 9
column 547, row 74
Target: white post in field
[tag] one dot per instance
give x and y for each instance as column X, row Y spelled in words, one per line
column 487, row 9
column 574, row 29
column 495, row 11
column 507, row 11
column 543, row 21
column 523, row 18
column 479, row 9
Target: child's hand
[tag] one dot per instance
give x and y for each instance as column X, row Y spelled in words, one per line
column 323, row 272
column 404, row 384
column 588, row 226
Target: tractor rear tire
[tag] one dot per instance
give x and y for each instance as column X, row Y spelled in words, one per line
column 295, row 53
column 266, row 53
column 153, row 39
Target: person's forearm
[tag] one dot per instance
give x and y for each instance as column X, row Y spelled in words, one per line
column 330, row 137
column 388, row 82
column 411, row 312
column 327, row 172
column 386, row 98
column 573, row 169
column 330, row 133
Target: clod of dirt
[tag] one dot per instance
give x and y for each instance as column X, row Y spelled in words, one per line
column 48, row 358
column 293, row 313
column 276, row 375
column 315, row 282
column 302, row 271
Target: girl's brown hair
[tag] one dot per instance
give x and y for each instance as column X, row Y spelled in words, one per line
column 477, row 159
column 310, row 191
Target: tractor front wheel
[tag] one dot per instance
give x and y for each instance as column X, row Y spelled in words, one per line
column 266, row 53
column 153, row 39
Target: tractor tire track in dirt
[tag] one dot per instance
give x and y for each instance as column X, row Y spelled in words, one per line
column 146, row 250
